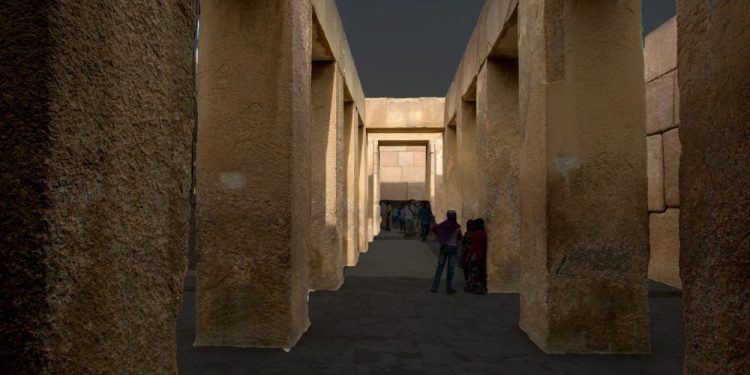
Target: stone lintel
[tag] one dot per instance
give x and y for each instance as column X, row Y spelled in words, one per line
column 412, row 114
column 326, row 15
column 494, row 35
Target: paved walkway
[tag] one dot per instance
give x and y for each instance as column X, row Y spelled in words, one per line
column 384, row 320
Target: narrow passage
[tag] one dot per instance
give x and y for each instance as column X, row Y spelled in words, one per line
column 384, row 320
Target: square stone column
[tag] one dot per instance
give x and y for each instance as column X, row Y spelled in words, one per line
column 327, row 166
column 95, row 168
column 584, row 223
column 373, row 210
column 362, row 176
column 498, row 145
column 438, row 203
column 430, row 163
column 452, row 172
column 253, row 177
column 714, row 81
column 351, row 143
column 470, row 170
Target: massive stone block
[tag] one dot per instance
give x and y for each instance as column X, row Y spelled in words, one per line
column 661, row 50
column 660, row 104
column 452, row 177
column 714, row 45
column 498, row 149
column 664, row 238
column 253, row 167
column 655, row 168
column 373, row 208
column 362, row 176
column 467, row 161
column 672, row 151
column 351, row 142
column 95, row 144
column 584, row 228
column 327, row 243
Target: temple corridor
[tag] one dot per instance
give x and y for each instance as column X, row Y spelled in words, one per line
column 196, row 186
column 384, row 320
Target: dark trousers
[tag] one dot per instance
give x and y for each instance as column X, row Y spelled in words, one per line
column 478, row 274
column 447, row 255
column 425, row 230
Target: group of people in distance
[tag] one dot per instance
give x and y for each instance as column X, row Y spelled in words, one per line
column 472, row 256
column 407, row 217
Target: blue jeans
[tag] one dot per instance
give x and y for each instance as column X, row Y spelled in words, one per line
column 447, row 254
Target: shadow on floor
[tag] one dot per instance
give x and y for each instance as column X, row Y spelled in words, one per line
column 393, row 325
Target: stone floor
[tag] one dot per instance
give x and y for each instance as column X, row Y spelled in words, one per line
column 384, row 320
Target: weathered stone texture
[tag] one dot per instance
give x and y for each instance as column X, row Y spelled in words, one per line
column 498, row 149
column 672, row 151
column 253, row 173
column 660, row 52
column 409, row 113
column 660, row 103
column 452, row 173
column 714, row 45
column 363, row 202
column 95, row 170
column 351, row 182
column 584, row 232
column 664, row 263
column 655, row 169
column 467, row 161
column 373, row 209
column 327, row 248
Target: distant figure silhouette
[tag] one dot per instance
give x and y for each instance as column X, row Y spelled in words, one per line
column 476, row 259
column 448, row 234
column 465, row 244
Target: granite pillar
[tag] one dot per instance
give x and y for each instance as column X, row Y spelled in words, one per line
column 714, row 82
column 253, row 199
column 351, row 142
column 452, row 176
column 95, row 168
column 498, row 145
column 466, row 153
column 327, row 248
column 362, row 176
column 584, row 224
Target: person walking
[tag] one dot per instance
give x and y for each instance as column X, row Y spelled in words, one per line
column 389, row 210
column 383, row 214
column 396, row 217
column 425, row 219
column 465, row 244
column 408, row 216
column 476, row 259
column 448, row 234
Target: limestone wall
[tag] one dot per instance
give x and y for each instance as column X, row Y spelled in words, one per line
column 663, row 149
column 95, row 154
column 403, row 172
